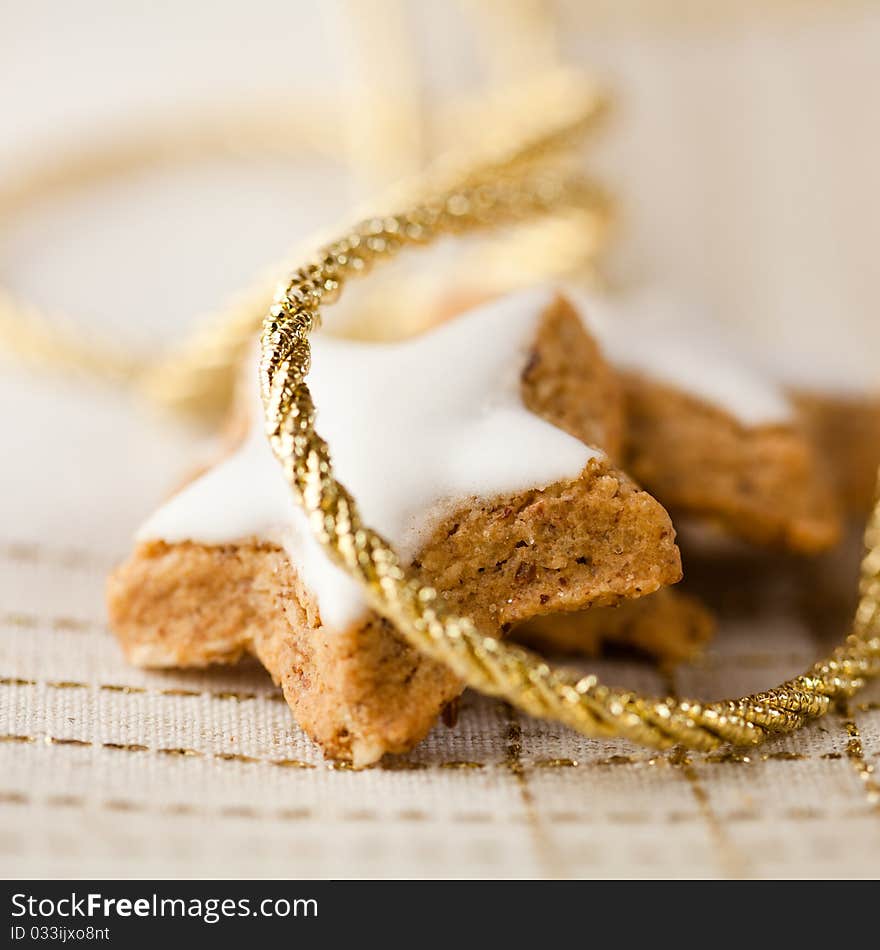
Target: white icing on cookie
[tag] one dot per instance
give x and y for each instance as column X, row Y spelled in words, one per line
column 416, row 428
column 650, row 334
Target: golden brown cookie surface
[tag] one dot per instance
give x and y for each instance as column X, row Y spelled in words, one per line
column 670, row 626
column 846, row 433
column 762, row 483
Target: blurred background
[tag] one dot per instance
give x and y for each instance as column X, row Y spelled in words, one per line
column 743, row 146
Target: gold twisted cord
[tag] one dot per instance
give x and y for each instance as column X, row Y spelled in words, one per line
column 519, row 676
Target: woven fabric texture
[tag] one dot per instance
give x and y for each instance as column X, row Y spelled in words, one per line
column 112, row 771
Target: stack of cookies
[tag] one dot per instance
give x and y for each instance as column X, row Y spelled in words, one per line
column 527, row 458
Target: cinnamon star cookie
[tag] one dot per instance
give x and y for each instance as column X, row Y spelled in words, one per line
column 473, row 449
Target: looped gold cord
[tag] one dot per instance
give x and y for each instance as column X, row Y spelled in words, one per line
column 417, row 611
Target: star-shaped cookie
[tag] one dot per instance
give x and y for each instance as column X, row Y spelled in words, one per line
column 473, row 448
